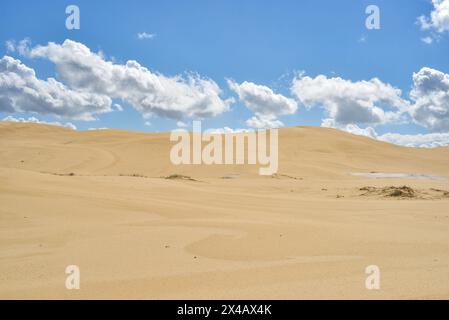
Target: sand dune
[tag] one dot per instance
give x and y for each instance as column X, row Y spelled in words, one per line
column 102, row 200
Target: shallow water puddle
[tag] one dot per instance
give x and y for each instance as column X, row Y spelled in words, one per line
column 398, row 175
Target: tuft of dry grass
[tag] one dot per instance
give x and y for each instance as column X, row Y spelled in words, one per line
column 391, row 191
column 135, row 175
column 179, row 177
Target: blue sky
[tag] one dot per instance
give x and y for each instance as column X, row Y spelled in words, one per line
column 262, row 42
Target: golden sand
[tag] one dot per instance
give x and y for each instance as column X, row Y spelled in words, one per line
column 102, row 200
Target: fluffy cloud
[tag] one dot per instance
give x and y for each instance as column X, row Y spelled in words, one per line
column 148, row 92
column 365, row 102
column 351, row 128
column 431, row 95
column 226, row 130
column 264, row 103
column 346, row 102
column 429, row 140
column 264, row 122
column 21, row 91
column 439, row 17
column 262, row 100
column 430, row 107
column 35, row 120
column 181, row 124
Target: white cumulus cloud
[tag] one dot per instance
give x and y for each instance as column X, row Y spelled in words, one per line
column 430, row 93
column 181, row 124
column 428, row 140
column 22, row 91
column 148, row 92
column 264, row 122
column 438, row 19
column 264, row 102
column 364, row 102
column 226, row 130
column 351, row 128
column 35, row 120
